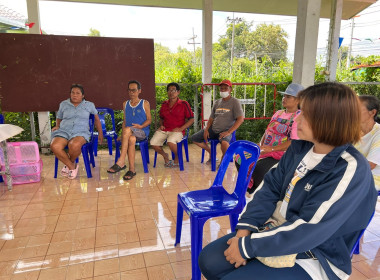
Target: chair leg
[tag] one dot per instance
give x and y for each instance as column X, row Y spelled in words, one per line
column 55, row 167
column 186, row 146
column 178, row 230
column 155, row 159
column 196, row 245
column 233, row 221
column 117, row 150
column 86, row 161
column 180, row 156
column 143, row 156
column 115, row 139
column 95, row 145
column 147, row 152
column 357, row 248
column 91, row 153
column 109, row 142
column 213, row 155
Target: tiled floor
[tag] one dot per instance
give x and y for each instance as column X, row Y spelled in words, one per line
column 107, row 228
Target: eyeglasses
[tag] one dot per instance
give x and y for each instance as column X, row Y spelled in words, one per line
column 173, row 90
column 133, row 90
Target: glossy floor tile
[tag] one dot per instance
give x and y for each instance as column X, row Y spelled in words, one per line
column 108, row 228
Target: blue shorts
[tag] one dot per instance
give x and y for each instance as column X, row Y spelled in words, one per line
column 68, row 136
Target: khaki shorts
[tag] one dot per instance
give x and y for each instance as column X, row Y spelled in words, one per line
column 160, row 136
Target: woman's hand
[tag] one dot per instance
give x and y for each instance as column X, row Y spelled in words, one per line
column 55, row 128
column 265, row 149
column 232, row 254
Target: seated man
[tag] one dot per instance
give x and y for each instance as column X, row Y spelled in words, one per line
column 226, row 117
column 136, row 125
column 175, row 117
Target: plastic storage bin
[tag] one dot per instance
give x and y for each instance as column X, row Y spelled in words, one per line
column 24, row 162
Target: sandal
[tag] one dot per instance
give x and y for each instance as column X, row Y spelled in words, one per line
column 169, row 163
column 65, row 171
column 73, row 173
column 129, row 175
column 115, row 168
column 174, row 165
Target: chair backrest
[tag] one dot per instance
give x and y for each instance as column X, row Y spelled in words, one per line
column 355, row 248
column 102, row 117
column 91, row 123
column 252, row 154
column 1, row 119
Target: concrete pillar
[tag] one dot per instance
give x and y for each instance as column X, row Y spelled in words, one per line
column 306, row 41
column 43, row 117
column 333, row 44
column 207, row 54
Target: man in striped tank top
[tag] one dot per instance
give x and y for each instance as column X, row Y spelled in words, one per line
column 136, row 126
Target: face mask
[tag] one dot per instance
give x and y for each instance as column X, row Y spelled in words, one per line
column 224, row 94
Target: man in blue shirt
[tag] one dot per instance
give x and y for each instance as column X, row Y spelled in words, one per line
column 136, row 126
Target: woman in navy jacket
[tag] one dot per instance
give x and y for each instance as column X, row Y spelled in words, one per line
column 320, row 196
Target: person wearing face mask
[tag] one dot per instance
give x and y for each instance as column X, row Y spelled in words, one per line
column 226, row 117
column 304, row 220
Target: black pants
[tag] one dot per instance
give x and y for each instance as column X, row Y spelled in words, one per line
column 262, row 168
column 214, row 266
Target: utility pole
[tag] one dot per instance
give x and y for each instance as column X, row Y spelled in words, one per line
column 350, row 47
column 233, row 20
column 193, row 43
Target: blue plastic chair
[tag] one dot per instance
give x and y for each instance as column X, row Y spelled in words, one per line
column 185, row 145
column 214, row 143
column 356, row 249
column 87, row 152
column 202, row 205
column 144, row 149
column 109, row 135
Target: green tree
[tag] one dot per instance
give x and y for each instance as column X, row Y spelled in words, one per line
column 266, row 40
column 94, row 33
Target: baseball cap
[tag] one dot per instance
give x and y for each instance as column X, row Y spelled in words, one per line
column 293, row 89
column 226, row 82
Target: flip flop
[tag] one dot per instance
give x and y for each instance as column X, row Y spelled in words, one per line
column 116, row 168
column 129, row 175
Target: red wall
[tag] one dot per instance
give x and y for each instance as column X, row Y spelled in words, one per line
column 36, row 71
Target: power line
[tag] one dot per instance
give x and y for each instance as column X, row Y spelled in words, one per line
column 233, row 20
column 193, row 43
